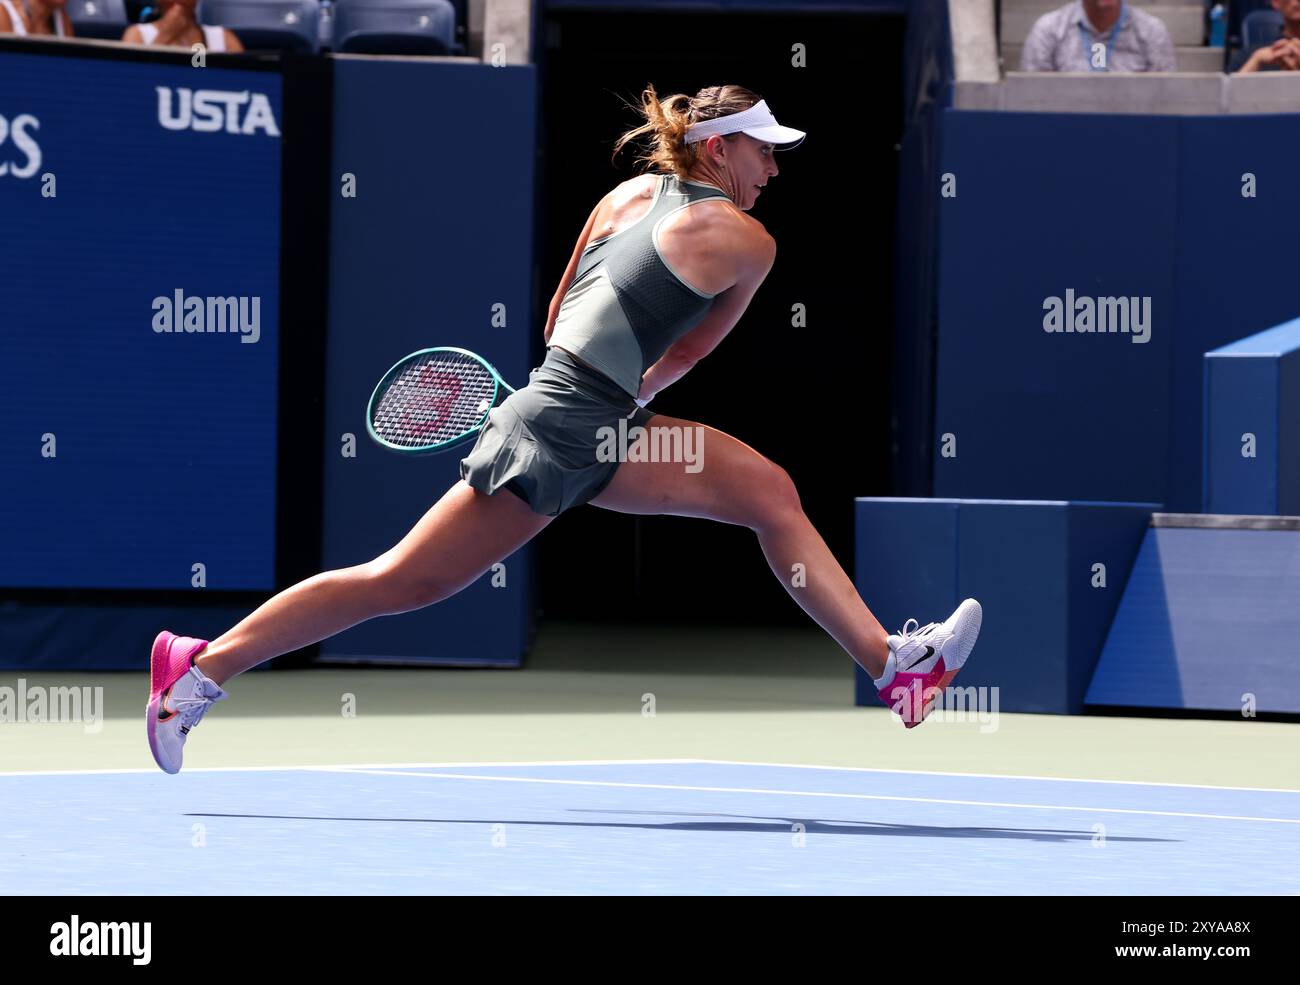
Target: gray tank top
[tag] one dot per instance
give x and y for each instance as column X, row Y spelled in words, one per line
column 626, row 305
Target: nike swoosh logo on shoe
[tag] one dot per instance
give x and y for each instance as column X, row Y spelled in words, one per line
column 929, row 652
column 164, row 713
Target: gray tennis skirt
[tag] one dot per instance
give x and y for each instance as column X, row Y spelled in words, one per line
column 540, row 443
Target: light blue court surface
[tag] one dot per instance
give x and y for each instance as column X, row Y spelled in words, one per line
column 636, row 827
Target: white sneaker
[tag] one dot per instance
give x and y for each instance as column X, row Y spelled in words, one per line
column 923, row 660
column 179, row 696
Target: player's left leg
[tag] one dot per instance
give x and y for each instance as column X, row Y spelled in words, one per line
column 725, row 479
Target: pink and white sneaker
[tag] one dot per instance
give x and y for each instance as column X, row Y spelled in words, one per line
column 179, row 696
column 923, row 660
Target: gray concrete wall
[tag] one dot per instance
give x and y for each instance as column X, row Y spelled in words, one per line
column 1176, row 94
column 507, row 28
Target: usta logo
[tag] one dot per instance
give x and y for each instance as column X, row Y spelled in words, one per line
column 212, row 110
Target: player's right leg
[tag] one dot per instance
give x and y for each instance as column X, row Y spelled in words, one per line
column 458, row 539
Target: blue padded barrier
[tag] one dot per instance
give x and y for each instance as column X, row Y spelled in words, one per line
column 1252, row 424
column 1030, row 564
column 36, row 637
column 1209, row 619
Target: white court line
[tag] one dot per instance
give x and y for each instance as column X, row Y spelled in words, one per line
column 335, row 767
column 813, row 766
column 810, row 793
column 998, row 776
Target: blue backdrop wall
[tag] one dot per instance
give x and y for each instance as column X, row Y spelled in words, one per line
column 134, row 446
column 130, row 454
column 434, row 249
column 1104, row 206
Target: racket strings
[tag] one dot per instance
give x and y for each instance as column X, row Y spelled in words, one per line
column 434, row 399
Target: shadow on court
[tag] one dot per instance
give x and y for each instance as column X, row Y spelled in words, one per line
column 781, row 826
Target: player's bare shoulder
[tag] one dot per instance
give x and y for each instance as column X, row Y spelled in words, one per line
column 749, row 233
column 624, row 204
column 756, row 243
column 642, row 186
column 716, row 241
column 716, row 220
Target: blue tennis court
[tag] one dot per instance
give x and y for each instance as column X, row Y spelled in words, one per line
column 636, row 827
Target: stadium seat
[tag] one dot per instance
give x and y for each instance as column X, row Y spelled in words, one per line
column 267, row 25
column 1260, row 28
column 98, row 18
column 395, row 27
column 1239, row 10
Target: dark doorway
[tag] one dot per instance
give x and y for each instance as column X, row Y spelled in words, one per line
column 813, row 399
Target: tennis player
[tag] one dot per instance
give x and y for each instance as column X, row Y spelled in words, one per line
column 665, row 266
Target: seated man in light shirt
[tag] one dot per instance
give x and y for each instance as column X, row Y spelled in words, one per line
column 1098, row 36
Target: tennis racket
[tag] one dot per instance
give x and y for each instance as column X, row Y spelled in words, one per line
column 434, row 400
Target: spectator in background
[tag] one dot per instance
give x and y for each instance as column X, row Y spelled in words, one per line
column 1067, row 40
column 1283, row 55
column 179, row 28
column 32, row 17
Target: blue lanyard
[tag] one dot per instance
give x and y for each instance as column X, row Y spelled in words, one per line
column 1110, row 42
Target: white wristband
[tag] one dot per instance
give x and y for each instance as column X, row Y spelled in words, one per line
column 642, row 403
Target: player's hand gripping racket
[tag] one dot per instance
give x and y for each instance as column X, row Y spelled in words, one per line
column 434, row 400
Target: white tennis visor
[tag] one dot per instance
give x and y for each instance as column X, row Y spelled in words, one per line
column 757, row 122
